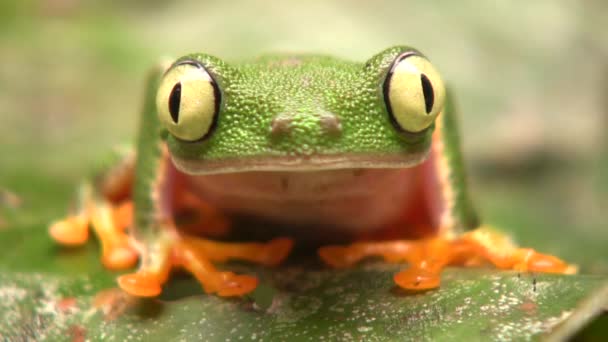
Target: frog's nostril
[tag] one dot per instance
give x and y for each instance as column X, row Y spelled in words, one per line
column 305, row 124
column 330, row 123
column 281, row 125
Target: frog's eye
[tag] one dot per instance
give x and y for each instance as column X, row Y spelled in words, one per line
column 188, row 101
column 413, row 92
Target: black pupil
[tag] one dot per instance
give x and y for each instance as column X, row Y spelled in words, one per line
column 174, row 101
column 427, row 90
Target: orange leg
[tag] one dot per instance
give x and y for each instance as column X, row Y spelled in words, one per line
column 153, row 271
column 196, row 261
column 428, row 257
column 170, row 250
column 195, row 255
column 123, row 215
column 108, row 222
column 74, row 229
column 267, row 254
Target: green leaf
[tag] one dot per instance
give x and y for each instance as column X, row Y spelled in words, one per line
column 306, row 303
column 47, row 293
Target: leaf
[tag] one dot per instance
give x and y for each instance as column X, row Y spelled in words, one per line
column 362, row 304
column 47, row 293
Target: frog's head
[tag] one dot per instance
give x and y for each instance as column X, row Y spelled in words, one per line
column 299, row 112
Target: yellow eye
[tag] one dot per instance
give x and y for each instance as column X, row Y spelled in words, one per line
column 188, row 101
column 414, row 92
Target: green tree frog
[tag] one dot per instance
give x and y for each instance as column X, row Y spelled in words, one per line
column 366, row 151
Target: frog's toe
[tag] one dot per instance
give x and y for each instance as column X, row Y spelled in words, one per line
column 119, row 257
column 550, row 264
column 528, row 260
column 195, row 255
column 72, row 231
column 417, row 279
column 141, row 284
column 231, row 285
column 426, row 258
column 495, row 247
column 338, row 256
column 276, row 251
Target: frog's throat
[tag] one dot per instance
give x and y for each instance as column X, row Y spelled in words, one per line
column 300, row 163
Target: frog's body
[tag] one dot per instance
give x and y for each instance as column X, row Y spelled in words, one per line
column 303, row 141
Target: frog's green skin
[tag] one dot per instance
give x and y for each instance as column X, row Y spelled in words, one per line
column 307, row 90
column 304, row 89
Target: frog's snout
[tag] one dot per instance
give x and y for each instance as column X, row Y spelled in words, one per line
column 326, row 122
column 281, row 124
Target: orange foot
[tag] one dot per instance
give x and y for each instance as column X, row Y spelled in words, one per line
column 428, row 257
column 196, row 256
column 109, row 223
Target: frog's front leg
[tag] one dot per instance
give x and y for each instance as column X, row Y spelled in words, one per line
column 428, row 257
column 107, row 208
column 196, row 255
column 160, row 244
column 455, row 236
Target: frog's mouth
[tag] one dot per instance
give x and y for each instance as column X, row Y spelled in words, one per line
column 351, row 193
column 300, row 163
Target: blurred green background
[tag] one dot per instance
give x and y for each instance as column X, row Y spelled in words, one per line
column 531, row 80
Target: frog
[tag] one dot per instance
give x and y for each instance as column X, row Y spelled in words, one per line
column 368, row 150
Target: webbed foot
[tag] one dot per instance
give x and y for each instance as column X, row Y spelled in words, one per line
column 109, row 222
column 196, row 255
column 428, row 257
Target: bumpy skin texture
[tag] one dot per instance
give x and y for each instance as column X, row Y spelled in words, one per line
column 278, row 114
column 303, row 88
